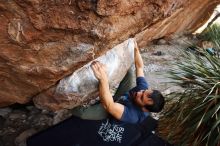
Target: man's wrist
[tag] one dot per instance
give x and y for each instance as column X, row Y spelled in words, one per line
column 103, row 80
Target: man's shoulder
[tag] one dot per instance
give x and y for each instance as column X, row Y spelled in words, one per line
column 132, row 114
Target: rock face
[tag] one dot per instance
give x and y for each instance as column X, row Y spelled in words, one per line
column 82, row 85
column 42, row 41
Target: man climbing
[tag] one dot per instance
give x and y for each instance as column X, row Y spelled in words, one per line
column 134, row 106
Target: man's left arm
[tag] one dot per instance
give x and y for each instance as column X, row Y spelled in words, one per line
column 139, row 65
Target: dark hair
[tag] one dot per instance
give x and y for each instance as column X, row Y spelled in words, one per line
column 158, row 100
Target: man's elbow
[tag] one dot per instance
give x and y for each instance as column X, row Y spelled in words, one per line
column 108, row 107
column 115, row 110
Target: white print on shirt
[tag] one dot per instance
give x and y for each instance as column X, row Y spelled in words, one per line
column 111, row 132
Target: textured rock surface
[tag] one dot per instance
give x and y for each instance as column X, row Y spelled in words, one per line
column 82, row 86
column 42, row 41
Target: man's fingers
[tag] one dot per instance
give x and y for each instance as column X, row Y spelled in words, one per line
column 97, row 65
column 104, row 67
column 94, row 67
column 99, row 70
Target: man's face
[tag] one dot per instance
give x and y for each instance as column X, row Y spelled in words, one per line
column 142, row 98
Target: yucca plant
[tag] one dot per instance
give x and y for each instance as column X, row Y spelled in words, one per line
column 211, row 33
column 198, row 107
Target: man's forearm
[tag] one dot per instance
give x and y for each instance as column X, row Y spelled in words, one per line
column 138, row 59
column 105, row 95
column 114, row 108
column 139, row 65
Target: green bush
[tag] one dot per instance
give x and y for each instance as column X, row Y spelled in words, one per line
column 198, row 107
column 212, row 34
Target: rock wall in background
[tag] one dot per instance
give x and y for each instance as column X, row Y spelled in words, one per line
column 42, row 41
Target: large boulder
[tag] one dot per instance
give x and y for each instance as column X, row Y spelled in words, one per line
column 82, row 86
column 42, row 41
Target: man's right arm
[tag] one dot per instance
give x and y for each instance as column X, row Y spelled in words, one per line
column 139, row 65
column 114, row 108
